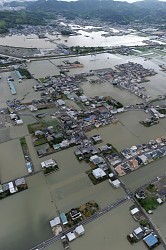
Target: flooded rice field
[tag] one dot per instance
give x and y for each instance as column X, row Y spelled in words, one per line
column 26, row 216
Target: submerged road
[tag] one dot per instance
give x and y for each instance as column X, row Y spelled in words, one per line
column 95, row 216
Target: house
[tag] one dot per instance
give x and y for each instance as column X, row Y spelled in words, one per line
column 83, row 98
column 63, row 218
column 115, row 183
column 41, row 152
column 134, row 211
column 79, row 230
column 55, row 222
column 96, row 139
column 105, row 148
column 98, row 173
column 71, row 236
column 64, row 144
column 120, row 171
column 97, row 159
column 151, row 240
column 75, row 213
column 143, row 159
column 60, row 102
column 138, row 233
column 38, row 132
column 48, row 163
column 19, row 122
column 133, row 164
column 31, row 108
column 20, row 182
column 12, row 189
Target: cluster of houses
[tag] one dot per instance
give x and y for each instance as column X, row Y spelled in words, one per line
column 143, row 232
column 147, row 235
column 128, row 76
column 57, row 225
column 15, row 105
column 141, row 155
column 12, row 187
column 58, row 86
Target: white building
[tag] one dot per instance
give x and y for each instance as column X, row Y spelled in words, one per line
column 80, row 230
column 98, row 173
column 134, row 211
column 116, row 183
column 55, row 222
column 48, row 163
column 71, row 236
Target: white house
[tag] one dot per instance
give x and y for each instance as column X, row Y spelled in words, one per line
column 98, row 173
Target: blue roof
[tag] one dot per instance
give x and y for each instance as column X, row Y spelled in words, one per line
column 63, row 218
column 150, row 240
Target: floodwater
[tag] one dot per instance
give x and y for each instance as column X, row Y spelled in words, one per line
column 71, row 187
column 25, row 216
column 11, row 166
column 95, row 39
column 44, row 68
column 24, row 89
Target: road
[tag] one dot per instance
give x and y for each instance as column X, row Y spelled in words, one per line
column 95, row 216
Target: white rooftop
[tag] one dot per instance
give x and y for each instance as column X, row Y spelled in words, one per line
column 116, row 183
column 159, row 200
column 71, row 236
column 98, row 173
column 80, row 230
column 134, row 211
column 138, row 230
column 55, row 222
